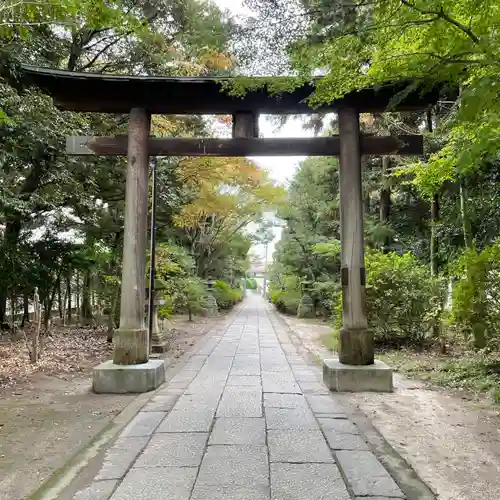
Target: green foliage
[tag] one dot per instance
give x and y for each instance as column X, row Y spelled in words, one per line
column 251, row 284
column 325, row 294
column 189, row 296
column 225, row 295
column 476, row 295
column 286, row 297
column 286, row 302
column 399, row 295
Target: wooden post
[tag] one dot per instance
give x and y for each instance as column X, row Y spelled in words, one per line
column 245, row 125
column 356, row 341
column 131, row 339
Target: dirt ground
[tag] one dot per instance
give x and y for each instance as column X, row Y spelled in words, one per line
column 452, row 441
column 47, row 413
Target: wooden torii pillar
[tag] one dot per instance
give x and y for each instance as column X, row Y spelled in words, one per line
column 131, row 340
column 131, row 347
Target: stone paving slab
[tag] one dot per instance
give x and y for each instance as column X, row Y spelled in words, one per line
column 173, row 450
column 374, row 498
column 313, row 388
column 244, row 381
column 307, row 482
column 195, row 362
column 100, row 490
column 190, row 402
column 366, row 475
column 161, row 403
column 171, row 483
column 339, row 426
column 143, row 424
column 258, row 492
column 323, row 403
column 234, row 466
column 280, row 382
column 272, row 400
column 240, row 402
column 298, row 446
column 290, row 418
column 338, row 441
column 188, row 420
column 239, row 431
column 120, row 457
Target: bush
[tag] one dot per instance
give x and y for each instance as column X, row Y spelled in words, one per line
column 286, row 296
column 225, row 295
column 251, row 284
column 189, row 296
column 400, row 294
column 286, row 302
column 325, row 296
column 476, row 296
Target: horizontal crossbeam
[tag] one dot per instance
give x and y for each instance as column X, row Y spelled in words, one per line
column 315, row 146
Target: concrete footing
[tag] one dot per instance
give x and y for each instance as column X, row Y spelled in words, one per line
column 350, row 378
column 160, row 342
column 109, row 378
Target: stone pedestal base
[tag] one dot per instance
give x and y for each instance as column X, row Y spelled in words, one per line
column 160, row 342
column 109, row 378
column 350, row 378
column 210, row 306
column 306, row 308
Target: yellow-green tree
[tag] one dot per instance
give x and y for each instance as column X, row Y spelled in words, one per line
column 227, row 194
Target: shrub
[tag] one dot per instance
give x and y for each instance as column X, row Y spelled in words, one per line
column 286, row 297
column 189, row 296
column 251, row 284
column 476, row 296
column 399, row 297
column 225, row 295
column 325, row 295
column 286, row 302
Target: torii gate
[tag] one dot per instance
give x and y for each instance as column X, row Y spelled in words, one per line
column 131, row 369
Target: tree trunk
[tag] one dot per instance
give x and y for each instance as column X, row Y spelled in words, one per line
column 46, row 314
column 434, row 239
column 112, row 312
column 466, row 227
column 35, row 345
column 78, row 308
column 385, row 197
column 68, row 294
column 13, row 313
column 64, row 303
column 60, row 302
column 366, row 202
column 3, row 302
column 86, row 296
column 26, row 309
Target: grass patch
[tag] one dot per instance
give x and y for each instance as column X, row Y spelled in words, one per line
column 474, row 372
column 478, row 373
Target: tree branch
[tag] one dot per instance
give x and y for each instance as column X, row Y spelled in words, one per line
column 445, row 17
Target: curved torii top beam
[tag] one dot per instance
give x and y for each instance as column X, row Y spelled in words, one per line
column 91, row 92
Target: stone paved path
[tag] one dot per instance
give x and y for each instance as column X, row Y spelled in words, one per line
column 245, row 419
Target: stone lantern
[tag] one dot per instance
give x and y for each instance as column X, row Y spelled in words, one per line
column 209, row 301
column 160, row 341
column 306, row 304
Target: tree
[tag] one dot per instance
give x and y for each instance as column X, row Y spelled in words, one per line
column 227, row 194
column 86, row 195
